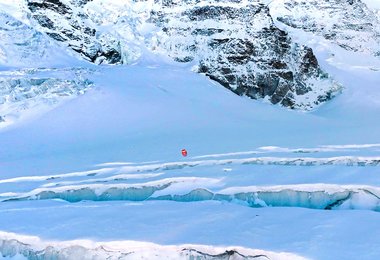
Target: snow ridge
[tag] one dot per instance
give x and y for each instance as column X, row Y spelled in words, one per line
column 27, row 247
column 314, row 196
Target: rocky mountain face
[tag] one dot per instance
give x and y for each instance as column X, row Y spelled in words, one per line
column 65, row 22
column 234, row 42
column 237, row 44
column 347, row 23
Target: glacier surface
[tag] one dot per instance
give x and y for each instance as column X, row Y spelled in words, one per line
column 90, row 155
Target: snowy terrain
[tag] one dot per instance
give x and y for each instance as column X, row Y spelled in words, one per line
column 91, row 164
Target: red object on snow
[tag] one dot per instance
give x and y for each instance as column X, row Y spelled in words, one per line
column 184, row 152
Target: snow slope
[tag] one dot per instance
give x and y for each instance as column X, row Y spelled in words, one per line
column 241, row 155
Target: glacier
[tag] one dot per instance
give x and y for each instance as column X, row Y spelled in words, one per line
column 98, row 98
column 36, row 89
column 283, row 196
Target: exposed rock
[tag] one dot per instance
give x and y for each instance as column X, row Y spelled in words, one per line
column 68, row 23
column 228, row 254
column 233, row 42
column 238, row 45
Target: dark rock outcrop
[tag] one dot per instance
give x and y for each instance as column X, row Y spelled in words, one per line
column 227, row 255
column 239, row 46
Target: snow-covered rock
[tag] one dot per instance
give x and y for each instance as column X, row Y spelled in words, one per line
column 67, row 21
column 22, row 45
column 233, row 42
column 349, row 23
column 237, row 44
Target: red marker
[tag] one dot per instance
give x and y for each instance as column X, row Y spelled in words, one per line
column 184, row 152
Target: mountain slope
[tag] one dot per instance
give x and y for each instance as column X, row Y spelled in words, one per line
column 236, row 44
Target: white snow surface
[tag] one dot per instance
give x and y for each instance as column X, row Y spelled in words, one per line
column 373, row 4
column 100, row 174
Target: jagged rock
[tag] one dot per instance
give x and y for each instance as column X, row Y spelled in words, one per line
column 67, row 23
column 233, row 42
column 239, row 46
